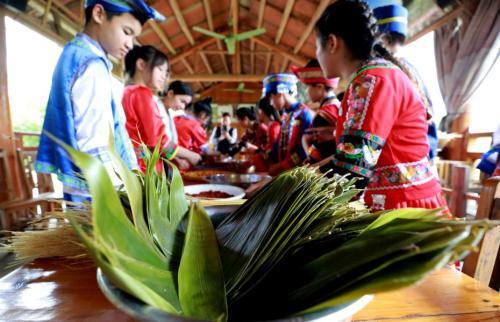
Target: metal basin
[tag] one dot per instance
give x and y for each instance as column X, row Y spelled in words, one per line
column 144, row 312
column 241, row 180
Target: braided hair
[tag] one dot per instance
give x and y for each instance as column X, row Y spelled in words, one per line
column 354, row 22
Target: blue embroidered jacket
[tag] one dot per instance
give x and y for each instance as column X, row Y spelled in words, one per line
column 59, row 118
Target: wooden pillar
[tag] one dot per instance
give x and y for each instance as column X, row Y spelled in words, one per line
column 7, row 142
column 458, row 147
column 459, row 185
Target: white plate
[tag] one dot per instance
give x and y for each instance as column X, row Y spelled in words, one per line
column 236, row 192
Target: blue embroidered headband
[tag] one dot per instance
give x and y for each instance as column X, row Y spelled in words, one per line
column 392, row 18
column 280, row 84
column 139, row 7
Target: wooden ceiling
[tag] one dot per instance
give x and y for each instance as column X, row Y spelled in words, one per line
column 200, row 59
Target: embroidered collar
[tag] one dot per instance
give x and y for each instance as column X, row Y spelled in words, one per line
column 95, row 47
column 372, row 64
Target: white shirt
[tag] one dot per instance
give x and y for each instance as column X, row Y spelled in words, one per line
column 233, row 133
column 167, row 118
column 91, row 96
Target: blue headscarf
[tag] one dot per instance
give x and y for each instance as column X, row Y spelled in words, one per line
column 280, row 83
column 138, row 7
column 392, row 18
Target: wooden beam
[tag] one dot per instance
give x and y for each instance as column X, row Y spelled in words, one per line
column 237, row 59
column 7, row 142
column 236, row 56
column 82, row 12
column 190, row 70
column 192, row 50
column 171, row 19
column 319, row 11
column 262, row 7
column 242, row 52
column 437, row 24
column 39, row 6
column 180, row 20
column 163, row 37
column 187, row 65
column 208, row 14
column 218, row 78
column 284, row 64
column 206, row 62
column 284, row 20
column 36, row 24
column 268, row 63
column 46, row 13
column 68, row 13
column 301, row 61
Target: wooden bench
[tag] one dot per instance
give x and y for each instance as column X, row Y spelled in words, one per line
column 484, row 265
column 38, row 194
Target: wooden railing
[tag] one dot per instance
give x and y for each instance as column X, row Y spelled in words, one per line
column 27, row 140
column 455, row 179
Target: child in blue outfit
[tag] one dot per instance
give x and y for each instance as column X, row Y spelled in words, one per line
column 288, row 151
column 81, row 108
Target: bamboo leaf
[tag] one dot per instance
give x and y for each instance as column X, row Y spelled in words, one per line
column 408, row 213
column 118, row 276
column 160, row 281
column 201, row 282
column 110, row 223
column 178, row 203
column 133, row 190
column 394, row 278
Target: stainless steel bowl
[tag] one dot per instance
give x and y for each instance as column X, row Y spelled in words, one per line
column 242, row 180
column 144, row 312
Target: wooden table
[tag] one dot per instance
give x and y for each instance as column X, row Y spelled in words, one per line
column 62, row 291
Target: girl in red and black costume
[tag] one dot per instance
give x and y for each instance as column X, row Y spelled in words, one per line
column 317, row 140
column 381, row 130
column 191, row 127
column 254, row 135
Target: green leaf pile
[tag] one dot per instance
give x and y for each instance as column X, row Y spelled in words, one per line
column 298, row 246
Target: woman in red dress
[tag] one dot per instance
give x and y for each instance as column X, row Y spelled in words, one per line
column 191, row 128
column 269, row 117
column 381, row 130
column 255, row 133
column 147, row 69
column 318, row 139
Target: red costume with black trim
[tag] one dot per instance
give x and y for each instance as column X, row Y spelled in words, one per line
column 144, row 122
column 288, row 151
column 190, row 133
column 324, row 125
column 273, row 133
column 382, row 136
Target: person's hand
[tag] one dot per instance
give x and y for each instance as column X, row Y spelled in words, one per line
column 182, row 164
column 195, row 158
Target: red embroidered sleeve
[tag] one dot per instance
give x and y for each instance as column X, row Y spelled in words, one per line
column 371, row 110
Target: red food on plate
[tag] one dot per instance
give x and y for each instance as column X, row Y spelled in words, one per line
column 212, row 194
